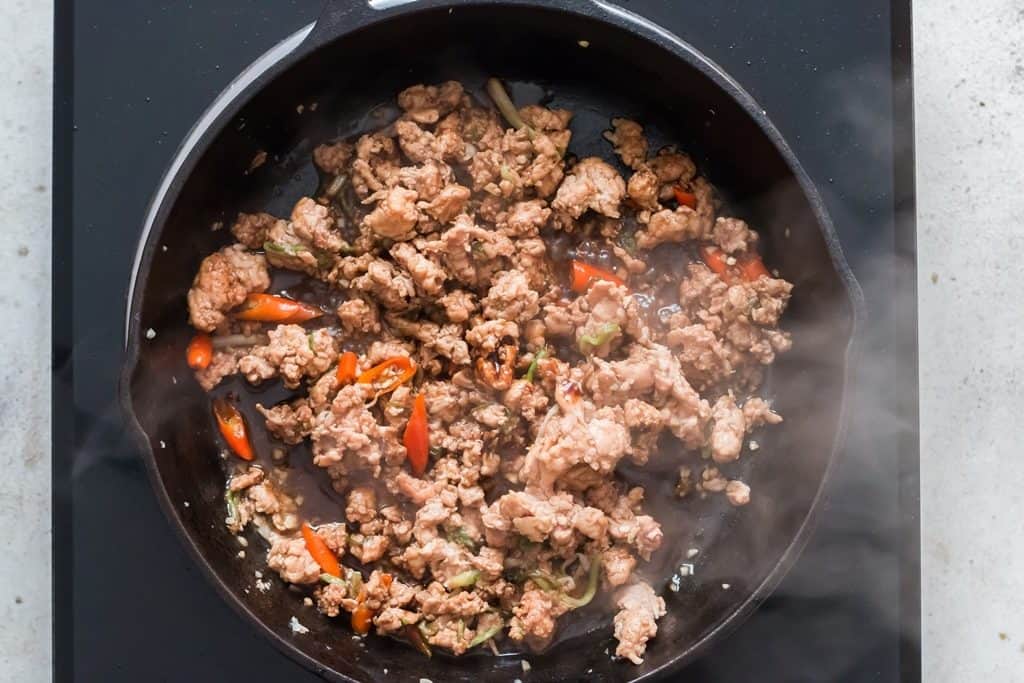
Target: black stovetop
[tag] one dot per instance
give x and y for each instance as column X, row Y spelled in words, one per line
column 131, row 80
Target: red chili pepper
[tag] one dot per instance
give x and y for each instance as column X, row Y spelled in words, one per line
column 401, row 367
column 685, row 198
column 362, row 619
column 347, row 368
column 714, row 258
column 752, row 268
column 317, row 547
column 417, row 438
column 270, row 308
column 584, row 273
column 200, row 352
column 749, row 267
column 232, row 428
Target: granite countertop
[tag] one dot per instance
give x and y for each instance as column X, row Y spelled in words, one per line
column 969, row 95
column 969, row 98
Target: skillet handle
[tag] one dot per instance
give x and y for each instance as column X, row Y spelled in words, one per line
column 339, row 17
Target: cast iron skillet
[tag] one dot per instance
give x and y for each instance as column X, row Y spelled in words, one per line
column 319, row 84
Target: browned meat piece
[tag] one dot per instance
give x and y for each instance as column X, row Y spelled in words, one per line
column 592, row 184
column 314, row 224
column 285, row 249
column 733, row 235
column 426, row 180
column 655, row 373
column 727, row 430
column 426, row 273
column 251, row 228
column 395, row 215
column 289, row 422
column 541, row 118
column 333, row 158
column 458, row 305
column 645, row 423
column 470, row 253
column 534, row 618
column 705, row 359
column 629, row 141
column 743, row 316
column 359, row 316
column 643, row 188
column 420, row 145
column 380, row 351
column 637, row 620
column 223, row 364
column 757, row 412
column 524, row 219
column 390, row 287
column 481, row 128
column 488, row 336
column 289, row 558
column 428, row 103
column 672, row 168
column 546, row 170
column 618, row 565
column 224, row 279
column 510, row 298
column 256, row 495
column 526, row 400
column 531, row 258
column 376, row 165
column 524, row 159
column 576, row 433
column 293, row 354
column 347, row 430
column 712, row 480
column 332, row 598
column 446, row 340
column 449, row 203
column 671, row 226
column 362, row 505
column 737, row 493
column 247, row 479
column 599, row 319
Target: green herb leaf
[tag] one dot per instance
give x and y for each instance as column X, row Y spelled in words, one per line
column 604, row 334
column 328, row 578
column 284, row 249
column 464, row 579
column 461, row 536
column 537, row 357
column 231, row 499
column 484, row 636
column 592, row 581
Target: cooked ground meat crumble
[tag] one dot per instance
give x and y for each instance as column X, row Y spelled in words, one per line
column 504, row 325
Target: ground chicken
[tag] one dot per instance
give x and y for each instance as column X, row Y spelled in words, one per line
column 224, row 279
column 479, row 460
column 292, row 354
column 637, row 620
column 592, row 184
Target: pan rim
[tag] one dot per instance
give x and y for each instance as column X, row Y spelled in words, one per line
column 297, row 46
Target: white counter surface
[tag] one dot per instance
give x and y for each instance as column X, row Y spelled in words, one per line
column 970, row 142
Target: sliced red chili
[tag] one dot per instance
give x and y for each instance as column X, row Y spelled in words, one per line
column 232, row 427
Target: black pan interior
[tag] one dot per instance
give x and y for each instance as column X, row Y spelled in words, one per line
column 338, row 90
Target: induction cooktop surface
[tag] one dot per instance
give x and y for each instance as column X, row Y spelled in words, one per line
column 132, row 78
